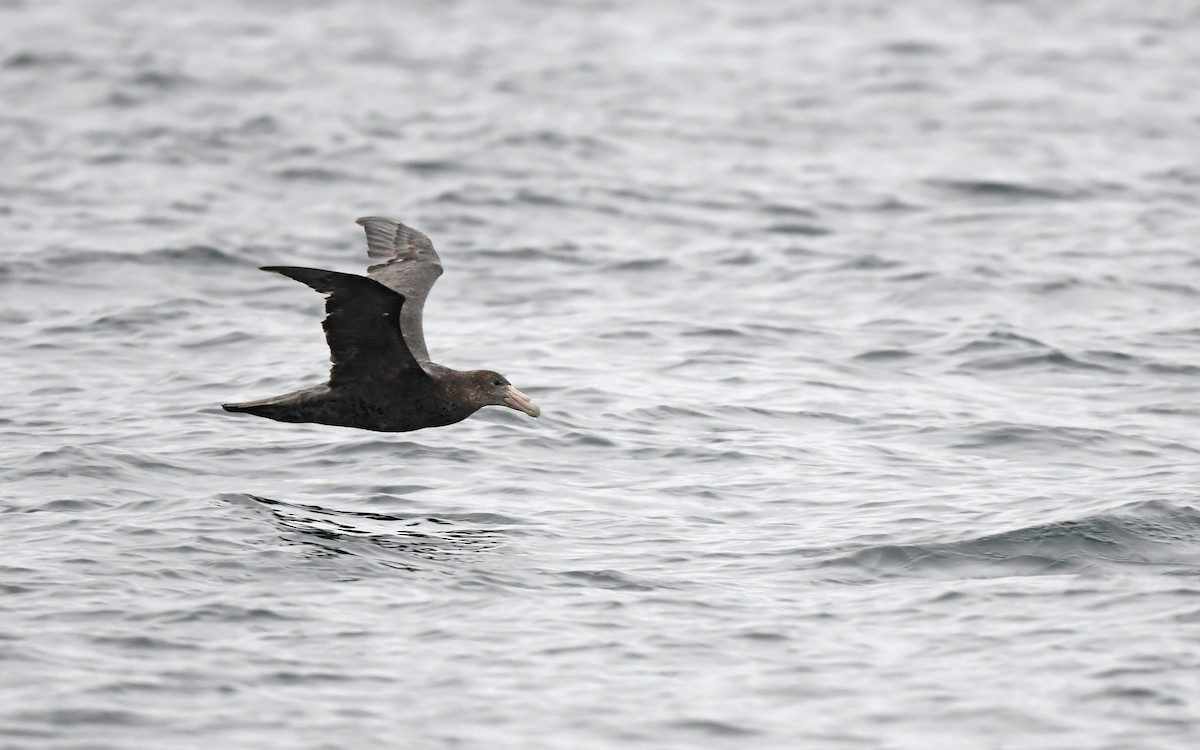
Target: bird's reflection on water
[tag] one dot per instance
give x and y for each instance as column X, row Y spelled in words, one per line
column 392, row 540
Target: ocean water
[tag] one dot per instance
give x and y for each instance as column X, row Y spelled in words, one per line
column 865, row 334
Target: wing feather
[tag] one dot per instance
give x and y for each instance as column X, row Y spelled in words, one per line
column 410, row 266
column 362, row 325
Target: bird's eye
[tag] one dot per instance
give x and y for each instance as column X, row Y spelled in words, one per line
column 497, row 381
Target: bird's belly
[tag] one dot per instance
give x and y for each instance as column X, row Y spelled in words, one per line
column 388, row 414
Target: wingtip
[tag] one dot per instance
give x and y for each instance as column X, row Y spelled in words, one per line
column 362, row 220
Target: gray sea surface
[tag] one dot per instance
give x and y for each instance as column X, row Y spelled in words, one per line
column 866, row 336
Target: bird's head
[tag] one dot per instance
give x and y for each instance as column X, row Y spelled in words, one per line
column 492, row 388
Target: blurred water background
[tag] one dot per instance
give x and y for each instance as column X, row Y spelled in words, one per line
column 865, row 334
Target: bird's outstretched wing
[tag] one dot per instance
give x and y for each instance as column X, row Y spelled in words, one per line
column 408, row 265
column 362, row 325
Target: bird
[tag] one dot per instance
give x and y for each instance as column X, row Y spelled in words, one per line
column 382, row 378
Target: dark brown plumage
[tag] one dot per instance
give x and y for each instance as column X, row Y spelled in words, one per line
column 382, row 378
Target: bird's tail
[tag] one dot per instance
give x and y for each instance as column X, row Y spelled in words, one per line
column 252, row 407
column 290, row 407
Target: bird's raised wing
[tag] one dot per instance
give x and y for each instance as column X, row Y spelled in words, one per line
column 362, row 325
column 408, row 265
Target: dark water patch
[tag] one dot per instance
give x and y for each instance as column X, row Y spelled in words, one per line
column 1054, row 285
column 913, row 276
column 1139, row 696
column 640, row 265
column 884, row 355
column 788, row 210
column 76, row 461
column 430, row 167
column 413, row 519
column 96, row 462
column 56, row 390
column 799, row 230
column 913, row 48
column 1113, row 357
column 564, row 252
column 218, row 612
column 1186, row 176
column 738, row 258
column 763, row 636
column 160, row 81
column 998, row 339
column 1171, row 409
column 291, row 677
column 482, row 518
column 701, row 455
column 386, row 494
column 895, row 205
column 714, row 728
column 1164, row 368
column 141, row 317
column 876, row 204
column 393, row 540
column 907, row 87
column 1187, row 333
column 121, row 99
column 803, row 252
column 892, row 561
column 1005, row 191
column 65, row 505
column 212, row 142
column 575, row 648
column 589, row 439
column 472, row 196
column 386, row 450
column 1047, row 361
column 666, row 411
column 1177, row 288
column 1188, row 618
column 588, row 146
column 714, row 205
column 789, row 415
column 83, row 268
column 775, row 331
column 626, row 335
column 315, row 174
column 158, row 221
column 720, row 333
column 79, row 717
column 191, row 255
column 869, row 262
column 220, row 340
column 58, row 331
column 258, row 125
column 535, row 198
column 1029, row 437
column 283, row 505
column 606, row 579
column 1145, row 533
column 40, row 59
column 403, row 549
column 142, row 643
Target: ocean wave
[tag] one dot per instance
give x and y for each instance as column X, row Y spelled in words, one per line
column 1154, row 532
column 1006, row 190
column 52, row 264
column 394, row 540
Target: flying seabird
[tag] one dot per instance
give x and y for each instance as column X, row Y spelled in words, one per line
column 382, row 378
